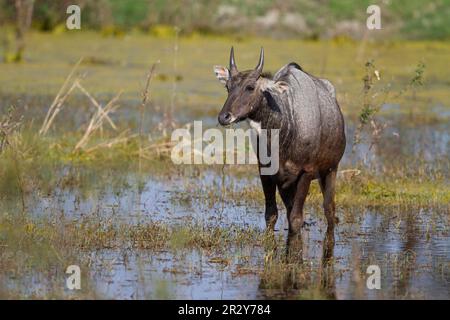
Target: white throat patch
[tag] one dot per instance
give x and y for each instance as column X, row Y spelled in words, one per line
column 255, row 125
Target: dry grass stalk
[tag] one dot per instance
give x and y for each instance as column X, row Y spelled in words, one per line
column 145, row 97
column 159, row 149
column 163, row 145
column 97, row 120
column 98, row 117
column 121, row 138
column 57, row 103
column 95, row 103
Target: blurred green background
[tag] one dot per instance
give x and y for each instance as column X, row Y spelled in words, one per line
column 311, row 19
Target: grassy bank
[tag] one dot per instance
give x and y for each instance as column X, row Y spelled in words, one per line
column 114, row 64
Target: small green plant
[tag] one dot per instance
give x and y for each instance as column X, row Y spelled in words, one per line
column 417, row 80
column 373, row 100
column 368, row 109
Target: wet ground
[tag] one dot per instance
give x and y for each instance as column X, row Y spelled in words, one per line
column 410, row 245
column 412, row 248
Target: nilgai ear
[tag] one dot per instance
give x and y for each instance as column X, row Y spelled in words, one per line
column 277, row 87
column 222, row 73
column 281, row 86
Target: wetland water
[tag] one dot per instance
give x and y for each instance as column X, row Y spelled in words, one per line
column 412, row 248
column 410, row 244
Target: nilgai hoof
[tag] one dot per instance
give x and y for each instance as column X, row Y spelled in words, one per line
column 295, row 225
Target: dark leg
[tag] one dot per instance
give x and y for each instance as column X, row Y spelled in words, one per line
column 327, row 271
column 270, row 188
column 296, row 216
column 287, row 195
column 328, row 247
column 328, row 186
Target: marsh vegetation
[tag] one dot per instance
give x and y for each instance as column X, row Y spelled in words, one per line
column 97, row 188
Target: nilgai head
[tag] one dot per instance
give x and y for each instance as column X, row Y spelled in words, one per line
column 245, row 89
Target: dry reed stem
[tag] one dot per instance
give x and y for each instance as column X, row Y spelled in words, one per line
column 57, row 102
column 145, row 97
column 58, row 108
column 108, row 144
column 95, row 103
column 169, row 144
column 97, row 121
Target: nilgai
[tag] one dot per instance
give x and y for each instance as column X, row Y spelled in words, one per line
column 311, row 132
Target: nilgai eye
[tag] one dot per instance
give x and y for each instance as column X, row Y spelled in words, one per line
column 250, row 88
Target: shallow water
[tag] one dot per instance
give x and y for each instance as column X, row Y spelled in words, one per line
column 412, row 247
column 411, row 268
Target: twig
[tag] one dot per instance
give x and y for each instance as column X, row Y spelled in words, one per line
column 56, row 110
column 97, row 121
column 57, row 101
column 110, row 143
column 145, row 97
column 95, row 103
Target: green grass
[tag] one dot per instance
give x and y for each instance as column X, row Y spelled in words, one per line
column 124, row 63
column 363, row 191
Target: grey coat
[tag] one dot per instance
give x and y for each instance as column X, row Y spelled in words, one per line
column 312, row 134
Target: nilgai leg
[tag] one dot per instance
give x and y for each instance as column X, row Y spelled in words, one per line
column 287, row 195
column 328, row 185
column 270, row 188
column 296, row 216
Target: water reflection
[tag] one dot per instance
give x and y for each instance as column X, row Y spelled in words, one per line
column 298, row 280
